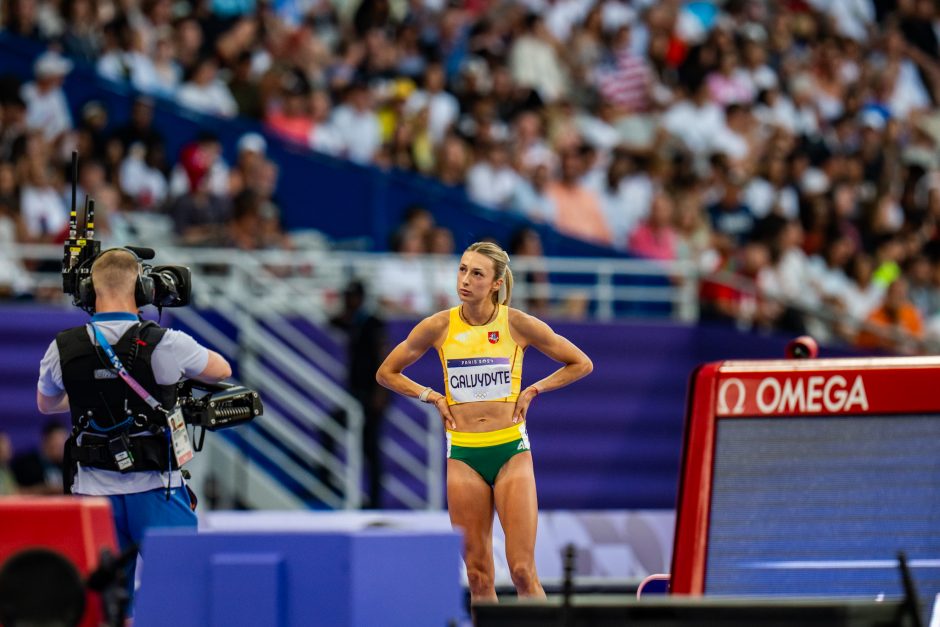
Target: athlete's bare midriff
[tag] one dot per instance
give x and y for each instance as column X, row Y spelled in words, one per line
column 482, row 416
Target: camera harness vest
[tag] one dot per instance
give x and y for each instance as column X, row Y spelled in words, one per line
column 108, row 404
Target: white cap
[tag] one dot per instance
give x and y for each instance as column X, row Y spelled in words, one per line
column 872, row 119
column 252, row 142
column 814, row 181
column 752, row 31
column 51, row 63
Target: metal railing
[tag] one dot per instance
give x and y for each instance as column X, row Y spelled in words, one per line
column 309, row 283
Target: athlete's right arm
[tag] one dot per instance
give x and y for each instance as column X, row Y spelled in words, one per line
column 429, row 332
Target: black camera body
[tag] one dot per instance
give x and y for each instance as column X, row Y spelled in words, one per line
column 160, row 286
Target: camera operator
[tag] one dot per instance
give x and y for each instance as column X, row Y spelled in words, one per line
column 120, row 445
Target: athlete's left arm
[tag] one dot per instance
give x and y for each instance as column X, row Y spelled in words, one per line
column 530, row 331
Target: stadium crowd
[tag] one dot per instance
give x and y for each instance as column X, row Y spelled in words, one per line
column 790, row 146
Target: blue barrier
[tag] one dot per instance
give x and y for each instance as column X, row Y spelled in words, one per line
column 291, row 579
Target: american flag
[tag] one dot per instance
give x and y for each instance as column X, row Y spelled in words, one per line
column 626, row 83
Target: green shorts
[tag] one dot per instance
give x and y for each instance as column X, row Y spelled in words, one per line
column 487, row 452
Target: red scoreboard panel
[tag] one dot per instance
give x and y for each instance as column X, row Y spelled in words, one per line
column 806, row 477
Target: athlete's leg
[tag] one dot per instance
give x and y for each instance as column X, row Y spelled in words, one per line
column 470, row 503
column 518, row 510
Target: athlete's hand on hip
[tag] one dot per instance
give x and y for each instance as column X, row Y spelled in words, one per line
column 523, row 402
column 448, row 418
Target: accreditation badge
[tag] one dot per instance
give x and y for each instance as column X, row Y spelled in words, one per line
column 182, row 447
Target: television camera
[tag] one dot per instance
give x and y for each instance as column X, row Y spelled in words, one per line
column 217, row 406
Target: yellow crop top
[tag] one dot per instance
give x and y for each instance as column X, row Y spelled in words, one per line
column 481, row 363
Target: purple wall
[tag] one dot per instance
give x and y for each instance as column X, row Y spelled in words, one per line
column 25, row 333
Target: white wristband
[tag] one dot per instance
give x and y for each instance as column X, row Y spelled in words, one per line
column 425, row 393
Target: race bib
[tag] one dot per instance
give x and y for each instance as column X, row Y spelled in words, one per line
column 479, row 379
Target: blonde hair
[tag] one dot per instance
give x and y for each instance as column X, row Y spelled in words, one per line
column 500, row 260
column 114, row 271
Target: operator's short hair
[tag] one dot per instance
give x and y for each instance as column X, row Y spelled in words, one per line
column 115, row 271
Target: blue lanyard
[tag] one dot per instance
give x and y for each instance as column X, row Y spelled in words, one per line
column 116, row 361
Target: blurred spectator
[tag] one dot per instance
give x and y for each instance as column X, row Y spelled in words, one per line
column 535, row 62
column 324, row 136
column 15, row 281
column 402, row 280
column 770, row 192
column 166, row 72
column 365, row 348
column 139, row 178
column 13, row 126
column 531, row 149
column 627, row 84
column 90, row 133
column 695, row 121
column 787, row 278
column 244, row 225
column 46, row 108
column 921, row 291
column 827, row 272
column 82, row 38
column 492, row 181
column 205, row 92
column 441, row 243
column 442, row 106
column 45, row 216
column 7, row 480
column 889, row 252
column 248, row 171
column 656, row 237
column 730, row 83
column 357, row 125
column 626, row 192
column 578, row 209
column 126, row 58
column 40, row 471
column 418, row 219
column 452, row 161
column 290, row 117
column 733, row 295
column 531, row 196
column 243, row 88
column 217, row 177
column 896, row 325
column 861, row 295
column 140, row 128
column 199, row 216
column 527, row 245
column 694, row 237
column 731, row 219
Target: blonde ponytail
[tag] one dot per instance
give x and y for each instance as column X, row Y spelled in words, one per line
column 506, row 288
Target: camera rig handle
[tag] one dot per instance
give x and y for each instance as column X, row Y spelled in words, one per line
column 223, row 405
